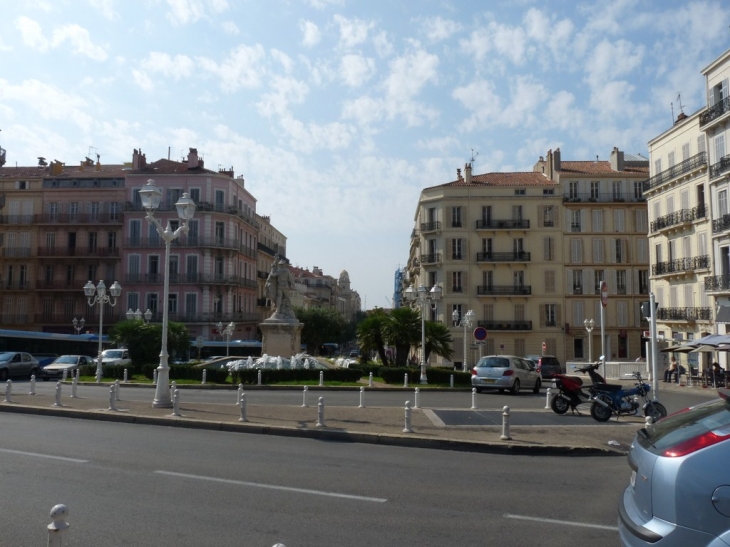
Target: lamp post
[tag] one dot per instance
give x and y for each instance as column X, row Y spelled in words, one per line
column 466, row 322
column 589, row 324
column 151, row 197
column 98, row 295
column 421, row 297
column 138, row 315
column 78, row 325
column 227, row 332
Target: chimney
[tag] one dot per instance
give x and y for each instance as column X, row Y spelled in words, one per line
column 550, row 165
column 139, row 160
column 617, row 159
column 467, row 173
column 193, row 158
column 81, row 166
column 98, row 164
column 556, row 160
column 458, row 174
column 56, row 167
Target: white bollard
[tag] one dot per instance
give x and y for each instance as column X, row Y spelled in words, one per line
column 173, row 387
column 320, row 413
column 77, row 374
column 362, row 397
column 370, row 381
column 205, row 376
column 242, row 404
column 648, row 421
column 417, row 398
column 74, row 385
column 547, row 399
column 9, row 392
column 240, row 392
column 408, row 428
column 505, row 424
column 321, row 377
column 154, row 377
column 58, row 529
column 112, row 398
column 32, row 385
column 405, row 380
column 58, row 395
column 176, row 403
column 126, row 377
column 117, row 389
column 259, row 377
column 65, row 374
column 99, row 374
column 451, row 381
column 473, row 398
column 304, row 397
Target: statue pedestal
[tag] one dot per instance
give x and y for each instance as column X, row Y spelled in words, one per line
column 281, row 338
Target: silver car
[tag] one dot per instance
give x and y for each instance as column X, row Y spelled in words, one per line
column 17, row 364
column 69, row 363
column 505, row 372
column 679, row 490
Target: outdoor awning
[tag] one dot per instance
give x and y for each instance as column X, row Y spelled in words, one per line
column 703, row 348
column 723, row 315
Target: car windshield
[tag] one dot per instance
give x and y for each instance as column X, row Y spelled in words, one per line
column 66, row 359
column 494, row 362
column 113, row 353
column 6, row 356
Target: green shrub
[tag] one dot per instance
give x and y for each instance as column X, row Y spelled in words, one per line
column 434, row 375
column 269, row 376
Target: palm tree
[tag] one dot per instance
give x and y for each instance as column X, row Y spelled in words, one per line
column 403, row 330
column 438, row 340
column 370, row 334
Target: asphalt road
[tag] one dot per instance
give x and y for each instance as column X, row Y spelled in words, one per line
column 144, row 485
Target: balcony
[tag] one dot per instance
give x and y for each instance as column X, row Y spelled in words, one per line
column 507, row 224
column 433, row 226
column 79, row 252
column 722, row 166
column 601, row 197
column 717, row 283
column 434, row 258
column 714, row 112
column 56, row 285
column 687, row 166
column 16, row 252
column 91, row 316
column 22, row 285
column 16, row 219
column 203, row 206
column 504, row 290
column 684, row 314
column 15, row 318
column 101, row 218
column 505, row 325
column 679, row 218
column 721, row 224
column 520, row 256
column 681, row 265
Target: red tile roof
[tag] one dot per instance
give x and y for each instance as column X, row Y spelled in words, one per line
column 528, row 178
column 599, row 168
column 169, row 167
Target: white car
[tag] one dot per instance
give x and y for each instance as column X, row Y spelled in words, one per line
column 115, row 357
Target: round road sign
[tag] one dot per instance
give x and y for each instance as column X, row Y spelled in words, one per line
column 604, row 294
column 480, row 333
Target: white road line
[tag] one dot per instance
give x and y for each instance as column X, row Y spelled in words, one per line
column 272, row 487
column 563, row 522
column 36, row 455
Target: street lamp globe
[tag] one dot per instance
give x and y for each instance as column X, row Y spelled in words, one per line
column 148, row 315
column 151, row 196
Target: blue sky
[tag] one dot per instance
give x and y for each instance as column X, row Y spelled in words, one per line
column 338, row 112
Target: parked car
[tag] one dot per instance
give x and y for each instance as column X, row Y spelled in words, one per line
column 115, row 357
column 44, row 358
column 678, row 493
column 69, row 363
column 355, row 353
column 547, row 365
column 15, row 364
column 504, row 372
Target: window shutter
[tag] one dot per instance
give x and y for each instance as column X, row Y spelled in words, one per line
column 625, row 258
column 629, row 275
column 558, row 315
column 448, row 217
column 612, row 281
column 465, row 282
column 540, row 216
column 569, row 282
column 542, row 315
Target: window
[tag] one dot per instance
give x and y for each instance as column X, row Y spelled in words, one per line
column 22, row 185
column 431, row 214
column 456, row 217
column 191, row 304
column 518, row 279
column 643, row 281
column 191, row 268
column 576, row 250
column 670, row 159
column 573, row 190
column 657, row 166
column 517, row 212
column 49, row 273
column 597, row 219
column 488, row 280
column 93, row 241
column 722, row 202
column 575, row 221
column 685, row 151
column 701, row 147
column 642, row 250
column 595, row 190
column 551, row 315
column 638, row 191
column 193, row 227
column 172, row 303
column 114, row 209
column 548, row 216
column 577, row 281
column 598, row 278
column 135, row 230
column 621, row 282
column 549, row 248
column 518, row 246
column 549, row 280
column 642, row 221
column 152, row 302
column 195, row 195
column 548, row 191
column 456, row 248
column 719, row 147
column 51, row 240
column 487, row 246
column 219, row 200
column 622, row 312
column 486, row 215
column 456, row 285
column 94, row 210
column 620, row 251
column 617, row 188
column 219, row 233
column 618, row 220
column 520, row 192
column 112, row 240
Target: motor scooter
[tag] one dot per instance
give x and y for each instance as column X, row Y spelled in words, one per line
column 571, row 391
column 609, row 400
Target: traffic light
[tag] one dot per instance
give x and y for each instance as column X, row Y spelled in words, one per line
column 646, row 309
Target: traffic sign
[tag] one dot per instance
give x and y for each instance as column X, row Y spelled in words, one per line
column 604, row 294
column 480, row 333
column 544, row 346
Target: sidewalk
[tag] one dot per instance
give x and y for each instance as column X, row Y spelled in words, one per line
column 378, row 425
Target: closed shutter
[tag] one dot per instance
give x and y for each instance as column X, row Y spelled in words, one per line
column 569, row 281
column 542, row 316
column 559, row 315
column 540, row 216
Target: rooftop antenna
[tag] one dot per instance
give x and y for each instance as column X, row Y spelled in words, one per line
column 672, row 105
column 473, row 156
column 679, row 100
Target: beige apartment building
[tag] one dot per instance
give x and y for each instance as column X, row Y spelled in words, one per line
column 527, row 253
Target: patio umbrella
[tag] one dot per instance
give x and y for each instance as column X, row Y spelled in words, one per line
column 679, row 349
column 703, row 348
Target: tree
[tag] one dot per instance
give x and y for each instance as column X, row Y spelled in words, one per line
column 144, row 340
column 403, row 330
column 438, row 340
column 371, row 334
column 320, row 325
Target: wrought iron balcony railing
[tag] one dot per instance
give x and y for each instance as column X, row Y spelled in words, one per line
column 501, row 290
column 521, row 256
column 16, row 252
column 684, row 314
column 98, row 252
column 67, row 218
column 682, row 168
column 601, row 197
column 506, row 224
column 681, row 265
column 433, row 258
column 431, row 226
column 722, row 166
column 715, row 111
column 721, row 224
column 714, row 283
column 679, row 217
column 505, row 325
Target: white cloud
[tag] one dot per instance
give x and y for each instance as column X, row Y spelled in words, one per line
column 442, row 145
column 365, row 110
column 311, row 33
column 353, row 31
column 175, row 67
column 322, row 4
column 355, row 70
column 284, row 90
column 106, row 8
column 183, row 12
column 77, row 36
column 283, row 59
column 409, row 73
column 31, row 33
column 612, row 59
column 142, row 80
column 3, row 47
column 480, row 98
column 382, row 44
column 437, row 28
column 49, row 102
column 241, row 69
column 313, row 136
column 561, row 113
column 229, row 27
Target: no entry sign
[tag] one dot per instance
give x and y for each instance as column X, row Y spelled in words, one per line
column 480, row 333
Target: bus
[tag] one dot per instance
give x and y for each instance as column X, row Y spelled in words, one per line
column 50, row 343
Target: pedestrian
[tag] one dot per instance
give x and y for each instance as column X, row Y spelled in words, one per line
column 672, row 370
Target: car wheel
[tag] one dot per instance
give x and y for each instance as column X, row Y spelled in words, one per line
column 538, row 384
column 34, row 372
column 559, row 405
column 501, row 390
column 656, row 410
column 515, row 387
column 3, row 375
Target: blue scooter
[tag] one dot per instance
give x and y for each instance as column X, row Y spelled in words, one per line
column 610, row 399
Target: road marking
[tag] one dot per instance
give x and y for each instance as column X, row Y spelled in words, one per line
column 36, row 455
column 272, row 487
column 564, row 522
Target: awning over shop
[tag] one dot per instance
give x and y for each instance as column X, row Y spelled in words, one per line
column 723, row 315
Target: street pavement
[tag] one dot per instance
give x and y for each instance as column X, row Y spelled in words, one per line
column 531, row 431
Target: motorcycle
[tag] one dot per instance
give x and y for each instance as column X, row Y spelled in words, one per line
column 571, row 392
column 609, row 399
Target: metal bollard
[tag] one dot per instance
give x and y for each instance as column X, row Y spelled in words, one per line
column 154, row 377
column 32, row 385
column 57, row 530
column 321, row 377
column 362, row 397
column 205, row 376
column 65, row 375
column 176, row 403
column 473, row 398
column 417, row 398
column 242, row 404
column 240, row 392
column 547, row 399
column 74, row 385
column 58, row 395
column 451, row 381
column 126, row 377
column 320, row 413
column 408, row 428
column 117, row 389
column 405, row 380
column 112, row 398
column 370, row 381
column 9, row 392
column 259, row 376
column 505, row 424
column 304, row 397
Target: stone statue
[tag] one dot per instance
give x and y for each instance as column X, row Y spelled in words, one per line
column 278, row 287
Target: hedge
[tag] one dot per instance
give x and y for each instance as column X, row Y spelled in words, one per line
column 435, row 375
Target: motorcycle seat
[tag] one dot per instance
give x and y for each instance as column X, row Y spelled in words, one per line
column 608, row 387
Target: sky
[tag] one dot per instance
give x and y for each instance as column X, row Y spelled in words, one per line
column 339, row 112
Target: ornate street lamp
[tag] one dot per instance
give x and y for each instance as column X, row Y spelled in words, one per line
column 78, row 325
column 151, row 197
column 227, row 332
column 98, row 295
column 589, row 324
column 423, row 297
column 466, row 322
column 138, row 315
